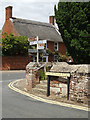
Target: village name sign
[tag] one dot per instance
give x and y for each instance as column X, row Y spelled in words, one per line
column 40, row 46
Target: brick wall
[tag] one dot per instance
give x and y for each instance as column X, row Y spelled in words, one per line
column 61, row 49
column 79, row 84
column 14, row 62
column 50, row 45
column 79, row 87
column 9, row 28
column 50, row 58
column 32, row 75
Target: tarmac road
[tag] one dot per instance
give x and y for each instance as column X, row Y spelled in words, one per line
column 16, row 105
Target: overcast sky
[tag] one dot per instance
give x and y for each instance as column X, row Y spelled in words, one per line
column 38, row 10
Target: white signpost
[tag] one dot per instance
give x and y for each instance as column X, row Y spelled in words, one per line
column 40, row 45
column 37, row 51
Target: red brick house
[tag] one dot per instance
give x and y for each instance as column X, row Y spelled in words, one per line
column 29, row 28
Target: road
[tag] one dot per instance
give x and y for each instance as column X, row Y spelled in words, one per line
column 16, row 105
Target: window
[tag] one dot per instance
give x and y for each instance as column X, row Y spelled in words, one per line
column 56, row 46
column 45, row 59
column 56, row 58
column 45, row 46
column 32, row 58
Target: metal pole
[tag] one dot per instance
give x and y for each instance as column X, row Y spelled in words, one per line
column 68, row 82
column 37, row 51
column 48, row 86
column 45, row 70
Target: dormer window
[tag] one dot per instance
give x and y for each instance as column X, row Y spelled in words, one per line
column 56, row 46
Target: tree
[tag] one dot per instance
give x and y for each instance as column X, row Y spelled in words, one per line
column 14, row 45
column 73, row 22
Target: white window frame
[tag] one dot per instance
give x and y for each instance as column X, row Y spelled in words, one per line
column 45, row 57
column 56, row 46
column 55, row 56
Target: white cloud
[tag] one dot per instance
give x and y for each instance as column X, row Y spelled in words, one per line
column 38, row 10
column 28, row 1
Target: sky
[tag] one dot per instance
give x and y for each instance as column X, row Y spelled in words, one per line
column 38, row 10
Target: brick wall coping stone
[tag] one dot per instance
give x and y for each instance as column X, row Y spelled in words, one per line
column 65, row 67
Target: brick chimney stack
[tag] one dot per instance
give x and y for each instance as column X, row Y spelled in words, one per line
column 52, row 20
column 8, row 12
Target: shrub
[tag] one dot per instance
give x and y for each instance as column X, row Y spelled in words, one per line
column 14, row 45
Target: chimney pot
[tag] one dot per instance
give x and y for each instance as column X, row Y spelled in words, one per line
column 8, row 12
column 52, row 20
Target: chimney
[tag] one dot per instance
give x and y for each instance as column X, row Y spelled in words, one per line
column 52, row 20
column 8, row 12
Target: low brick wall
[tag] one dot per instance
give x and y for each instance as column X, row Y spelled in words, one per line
column 79, row 89
column 14, row 62
column 32, row 76
column 79, row 84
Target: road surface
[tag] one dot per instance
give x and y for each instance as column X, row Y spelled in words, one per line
column 16, row 105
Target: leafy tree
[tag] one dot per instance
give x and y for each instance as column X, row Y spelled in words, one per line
column 14, row 45
column 73, row 22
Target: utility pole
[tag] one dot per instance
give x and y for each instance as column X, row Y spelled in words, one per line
column 37, row 51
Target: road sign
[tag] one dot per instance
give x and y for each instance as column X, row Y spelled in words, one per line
column 33, row 42
column 32, row 50
column 31, row 39
column 38, row 42
column 42, row 41
column 41, row 46
column 42, row 51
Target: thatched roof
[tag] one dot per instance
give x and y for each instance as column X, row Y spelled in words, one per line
column 31, row 28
